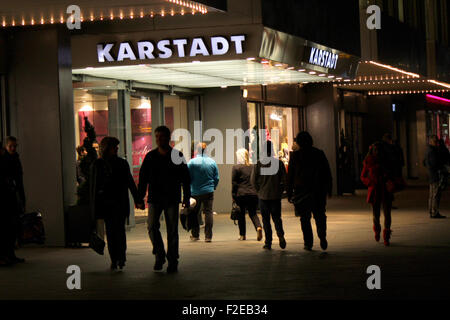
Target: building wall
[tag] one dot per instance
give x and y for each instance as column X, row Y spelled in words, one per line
column 222, row 110
column 41, row 101
column 379, row 118
column 322, row 122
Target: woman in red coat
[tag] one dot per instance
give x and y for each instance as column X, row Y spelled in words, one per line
column 375, row 177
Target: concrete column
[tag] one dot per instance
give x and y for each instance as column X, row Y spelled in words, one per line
column 41, row 97
column 322, row 123
column 369, row 42
column 157, row 101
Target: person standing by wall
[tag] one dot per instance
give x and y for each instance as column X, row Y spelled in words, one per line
column 244, row 194
column 13, row 201
column 309, row 182
column 270, row 186
column 163, row 177
column 435, row 165
column 375, row 176
column 204, row 175
column 110, row 181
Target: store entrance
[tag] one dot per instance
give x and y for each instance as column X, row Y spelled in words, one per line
column 129, row 115
column 280, row 125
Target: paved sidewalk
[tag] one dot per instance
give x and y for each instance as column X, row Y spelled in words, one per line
column 415, row 266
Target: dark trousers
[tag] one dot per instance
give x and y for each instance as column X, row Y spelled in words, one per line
column 116, row 237
column 386, row 202
column 171, row 218
column 250, row 204
column 205, row 201
column 9, row 226
column 271, row 208
column 321, row 225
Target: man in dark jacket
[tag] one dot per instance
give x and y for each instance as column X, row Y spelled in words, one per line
column 13, row 200
column 163, row 172
column 269, row 180
column 433, row 161
column 308, row 183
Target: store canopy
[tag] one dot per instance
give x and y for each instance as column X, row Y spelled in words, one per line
column 32, row 12
column 380, row 79
column 206, row 74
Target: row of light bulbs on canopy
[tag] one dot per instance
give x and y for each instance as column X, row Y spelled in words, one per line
column 378, row 93
column 194, row 8
column 284, row 66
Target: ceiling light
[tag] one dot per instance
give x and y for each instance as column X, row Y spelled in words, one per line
column 301, row 70
column 312, row 72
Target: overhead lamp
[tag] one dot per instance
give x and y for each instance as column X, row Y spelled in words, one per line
column 245, row 93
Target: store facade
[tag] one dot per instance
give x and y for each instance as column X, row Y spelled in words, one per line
column 128, row 73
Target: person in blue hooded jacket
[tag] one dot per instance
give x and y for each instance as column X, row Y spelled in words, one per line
column 204, row 180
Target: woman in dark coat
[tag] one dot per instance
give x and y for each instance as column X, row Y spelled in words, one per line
column 244, row 194
column 375, row 176
column 111, row 180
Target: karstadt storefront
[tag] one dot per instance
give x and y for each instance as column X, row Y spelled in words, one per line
column 224, row 70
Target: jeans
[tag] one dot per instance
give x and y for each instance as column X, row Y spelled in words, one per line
column 434, row 198
column 171, row 218
column 116, row 237
column 207, row 201
column 386, row 202
column 249, row 203
column 305, row 220
column 271, row 208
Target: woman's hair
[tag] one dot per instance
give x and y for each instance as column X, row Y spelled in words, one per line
column 242, row 157
column 107, row 144
column 80, row 150
column 376, row 146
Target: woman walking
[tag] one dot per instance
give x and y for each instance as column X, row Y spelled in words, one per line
column 375, row 176
column 111, row 180
column 244, row 194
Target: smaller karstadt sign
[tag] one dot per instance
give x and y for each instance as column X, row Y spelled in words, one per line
column 323, row 58
column 165, row 49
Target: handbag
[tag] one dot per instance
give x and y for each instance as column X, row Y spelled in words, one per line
column 235, row 212
column 97, row 243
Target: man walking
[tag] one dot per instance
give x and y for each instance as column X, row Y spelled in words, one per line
column 309, row 182
column 434, row 162
column 204, row 175
column 269, row 180
column 164, row 171
column 13, row 203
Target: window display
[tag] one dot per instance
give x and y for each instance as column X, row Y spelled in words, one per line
column 94, row 107
column 281, row 124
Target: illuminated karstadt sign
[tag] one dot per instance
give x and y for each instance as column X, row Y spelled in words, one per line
column 165, row 49
column 323, row 58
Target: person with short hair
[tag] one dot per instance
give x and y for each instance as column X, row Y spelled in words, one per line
column 435, row 164
column 269, row 180
column 309, row 181
column 162, row 174
column 204, row 175
column 111, row 180
column 13, row 205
